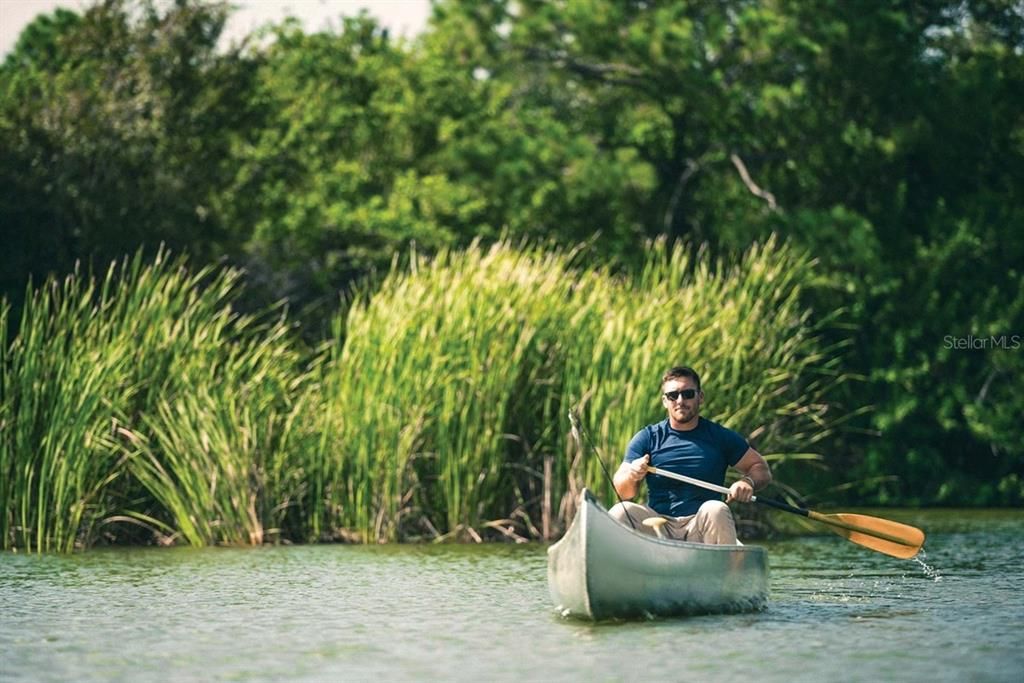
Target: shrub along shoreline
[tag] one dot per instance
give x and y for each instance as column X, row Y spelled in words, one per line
column 139, row 408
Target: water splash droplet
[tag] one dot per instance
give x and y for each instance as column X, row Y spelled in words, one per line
column 929, row 571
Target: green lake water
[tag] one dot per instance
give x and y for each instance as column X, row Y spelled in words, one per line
column 837, row 612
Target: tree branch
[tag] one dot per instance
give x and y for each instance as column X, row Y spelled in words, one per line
column 755, row 190
column 609, row 73
column 673, row 203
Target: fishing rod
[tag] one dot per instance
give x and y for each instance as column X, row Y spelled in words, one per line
column 577, row 430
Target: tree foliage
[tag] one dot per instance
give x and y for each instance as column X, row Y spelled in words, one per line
column 885, row 138
column 338, row 177
column 116, row 128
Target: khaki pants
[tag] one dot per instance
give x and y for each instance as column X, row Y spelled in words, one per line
column 713, row 522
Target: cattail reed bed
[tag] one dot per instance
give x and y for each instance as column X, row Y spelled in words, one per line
column 138, row 407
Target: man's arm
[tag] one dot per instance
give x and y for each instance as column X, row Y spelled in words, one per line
column 629, row 475
column 756, row 475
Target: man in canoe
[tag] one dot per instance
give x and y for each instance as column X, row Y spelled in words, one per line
column 688, row 444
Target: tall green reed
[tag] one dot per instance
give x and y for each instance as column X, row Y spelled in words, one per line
column 7, row 456
column 434, row 368
column 437, row 409
column 450, row 391
column 115, row 393
column 68, row 380
column 218, row 449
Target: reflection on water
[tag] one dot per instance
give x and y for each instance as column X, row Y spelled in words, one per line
column 837, row 612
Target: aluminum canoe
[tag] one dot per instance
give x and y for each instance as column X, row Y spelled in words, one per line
column 602, row 569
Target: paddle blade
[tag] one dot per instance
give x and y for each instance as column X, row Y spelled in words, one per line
column 882, row 535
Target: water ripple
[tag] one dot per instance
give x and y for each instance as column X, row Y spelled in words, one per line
column 470, row 613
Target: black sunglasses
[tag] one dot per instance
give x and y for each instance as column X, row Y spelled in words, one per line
column 685, row 393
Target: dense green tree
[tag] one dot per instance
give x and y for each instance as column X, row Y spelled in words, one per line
column 532, row 147
column 335, row 183
column 884, row 137
column 925, row 101
column 374, row 145
column 39, row 44
column 115, row 129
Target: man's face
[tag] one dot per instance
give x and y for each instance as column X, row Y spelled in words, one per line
column 682, row 410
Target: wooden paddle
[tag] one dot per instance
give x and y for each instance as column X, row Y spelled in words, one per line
column 882, row 535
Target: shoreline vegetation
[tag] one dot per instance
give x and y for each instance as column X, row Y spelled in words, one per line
column 344, row 355
column 140, row 408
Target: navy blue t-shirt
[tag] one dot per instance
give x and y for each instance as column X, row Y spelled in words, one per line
column 703, row 452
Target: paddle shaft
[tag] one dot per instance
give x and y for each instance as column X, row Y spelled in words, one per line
column 779, row 505
column 723, row 490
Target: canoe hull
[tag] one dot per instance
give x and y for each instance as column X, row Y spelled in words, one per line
column 602, row 569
